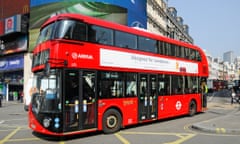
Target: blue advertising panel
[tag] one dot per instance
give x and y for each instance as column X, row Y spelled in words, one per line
column 11, row 63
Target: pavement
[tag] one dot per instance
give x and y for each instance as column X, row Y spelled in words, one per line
column 227, row 123
column 9, row 103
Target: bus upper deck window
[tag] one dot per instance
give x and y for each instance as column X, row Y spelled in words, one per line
column 198, row 56
column 100, row 35
column 70, row 29
column 125, row 40
column 45, row 34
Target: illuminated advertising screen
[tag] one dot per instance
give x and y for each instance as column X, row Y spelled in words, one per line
column 12, row 24
column 15, row 44
column 13, row 28
column 127, row 12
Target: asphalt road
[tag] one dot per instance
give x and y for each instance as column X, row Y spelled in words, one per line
column 14, row 129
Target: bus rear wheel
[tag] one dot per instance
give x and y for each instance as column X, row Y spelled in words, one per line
column 192, row 108
column 112, row 121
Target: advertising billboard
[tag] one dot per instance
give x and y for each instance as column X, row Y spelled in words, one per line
column 12, row 7
column 128, row 12
column 11, row 63
column 15, row 44
column 14, row 19
column 13, row 24
column 136, row 9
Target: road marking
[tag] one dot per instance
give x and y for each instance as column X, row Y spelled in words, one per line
column 2, row 121
column 183, row 136
column 12, row 126
column 16, row 119
column 154, row 133
column 220, row 130
column 122, row 139
column 7, row 138
column 10, row 135
column 23, row 139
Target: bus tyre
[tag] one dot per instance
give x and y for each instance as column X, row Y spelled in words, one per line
column 192, row 108
column 112, row 121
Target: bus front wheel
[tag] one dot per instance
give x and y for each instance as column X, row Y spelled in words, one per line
column 112, row 121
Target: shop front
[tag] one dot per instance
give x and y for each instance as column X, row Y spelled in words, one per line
column 11, row 77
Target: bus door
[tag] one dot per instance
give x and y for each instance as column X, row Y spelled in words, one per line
column 79, row 111
column 147, row 97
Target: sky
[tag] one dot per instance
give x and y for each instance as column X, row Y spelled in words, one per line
column 214, row 25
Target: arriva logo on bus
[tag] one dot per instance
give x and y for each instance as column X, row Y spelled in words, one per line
column 76, row 55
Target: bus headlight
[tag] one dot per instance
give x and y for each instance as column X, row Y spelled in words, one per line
column 47, row 122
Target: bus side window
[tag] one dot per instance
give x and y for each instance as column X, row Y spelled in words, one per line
column 160, row 47
column 181, row 52
column 193, row 55
column 88, row 85
column 177, row 84
column 105, row 89
column 173, row 50
column 131, row 84
column 125, row 40
column 167, row 49
column 163, row 84
column 111, row 85
column 187, row 53
column 79, row 32
column 198, row 56
column 147, row 44
column 100, row 35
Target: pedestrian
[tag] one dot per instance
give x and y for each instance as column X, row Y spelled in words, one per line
column 204, row 89
column 21, row 96
column 233, row 95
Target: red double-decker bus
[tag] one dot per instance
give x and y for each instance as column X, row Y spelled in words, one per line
column 94, row 75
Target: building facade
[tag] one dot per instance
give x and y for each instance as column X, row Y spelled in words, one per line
column 176, row 29
column 157, row 16
column 14, row 18
column 223, row 71
column 228, row 56
column 164, row 20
